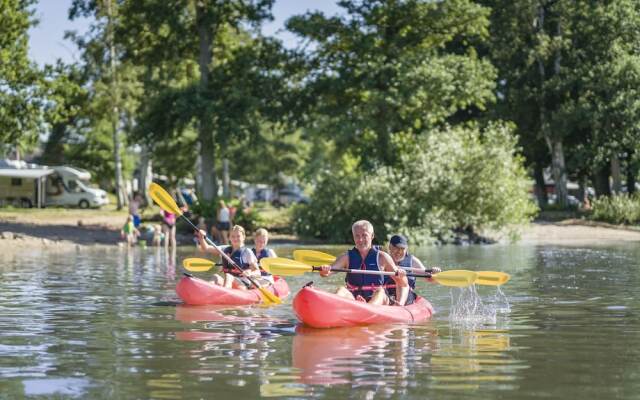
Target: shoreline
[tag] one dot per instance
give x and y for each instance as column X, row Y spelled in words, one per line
column 20, row 233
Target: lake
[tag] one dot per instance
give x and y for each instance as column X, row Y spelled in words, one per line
column 103, row 323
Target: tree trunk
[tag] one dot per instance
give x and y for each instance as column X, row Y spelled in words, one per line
column 205, row 127
column 554, row 142
column 225, row 178
column 53, row 153
column 146, row 173
column 114, row 108
column 541, row 187
column 632, row 171
column 615, row 174
column 601, row 181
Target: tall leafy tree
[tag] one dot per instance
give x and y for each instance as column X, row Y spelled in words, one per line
column 568, row 77
column 387, row 68
column 20, row 92
column 232, row 75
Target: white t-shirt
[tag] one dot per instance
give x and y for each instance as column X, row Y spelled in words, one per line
column 223, row 216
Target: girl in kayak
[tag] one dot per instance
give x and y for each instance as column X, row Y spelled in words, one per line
column 241, row 255
column 370, row 288
column 399, row 251
column 261, row 238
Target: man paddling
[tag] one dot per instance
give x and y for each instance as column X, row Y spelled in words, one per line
column 399, row 251
column 370, row 288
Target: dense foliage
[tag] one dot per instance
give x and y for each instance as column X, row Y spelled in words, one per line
column 453, row 178
column 418, row 115
column 622, row 209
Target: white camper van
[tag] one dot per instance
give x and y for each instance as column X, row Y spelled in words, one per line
column 69, row 186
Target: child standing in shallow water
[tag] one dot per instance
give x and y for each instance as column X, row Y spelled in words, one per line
column 129, row 232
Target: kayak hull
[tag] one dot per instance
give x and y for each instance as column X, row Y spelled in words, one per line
column 320, row 309
column 198, row 292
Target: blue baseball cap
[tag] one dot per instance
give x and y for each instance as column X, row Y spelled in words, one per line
column 399, row 241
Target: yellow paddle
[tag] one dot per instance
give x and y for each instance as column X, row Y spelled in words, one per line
column 197, row 264
column 287, row 267
column 492, row 278
column 167, row 203
column 318, row 258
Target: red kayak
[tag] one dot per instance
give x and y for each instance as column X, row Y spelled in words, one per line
column 198, row 292
column 320, row 309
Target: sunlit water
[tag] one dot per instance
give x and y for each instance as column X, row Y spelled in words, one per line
column 104, row 324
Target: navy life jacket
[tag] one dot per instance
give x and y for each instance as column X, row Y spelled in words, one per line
column 263, row 253
column 359, row 284
column 236, row 256
column 405, row 264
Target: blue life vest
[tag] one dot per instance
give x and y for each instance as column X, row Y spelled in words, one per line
column 359, row 284
column 405, row 264
column 236, row 256
column 263, row 253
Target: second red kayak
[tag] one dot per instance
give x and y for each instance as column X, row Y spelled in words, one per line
column 320, row 309
column 198, row 292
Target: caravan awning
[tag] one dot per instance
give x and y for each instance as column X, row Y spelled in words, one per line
column 34, row 173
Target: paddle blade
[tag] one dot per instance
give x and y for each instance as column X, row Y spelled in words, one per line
column 492, row 278
column 312, row 257
column 456, row 278
column 163, row 199
column 268, row 298
column 284, row 266
column 197, row 264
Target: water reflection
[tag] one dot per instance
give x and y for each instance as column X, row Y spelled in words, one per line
column 103, row 324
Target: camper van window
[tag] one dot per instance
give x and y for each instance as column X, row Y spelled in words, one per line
column 16, row 181
column 74, row 187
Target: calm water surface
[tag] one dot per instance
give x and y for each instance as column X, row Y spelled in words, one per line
column 104, row 324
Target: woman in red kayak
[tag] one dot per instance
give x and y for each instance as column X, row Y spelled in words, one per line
column 370, row 288
column 241, row 255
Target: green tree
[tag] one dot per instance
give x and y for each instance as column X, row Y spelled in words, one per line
column 568, row 77
column 20, row 92
column 390, row 67
column 456, row 178
column 232, row 78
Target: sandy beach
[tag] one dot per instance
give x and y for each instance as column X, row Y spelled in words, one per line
column 66, row 229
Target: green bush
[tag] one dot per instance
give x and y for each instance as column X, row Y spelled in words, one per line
column 620, row 209
column 249, row 219
column 455, row 178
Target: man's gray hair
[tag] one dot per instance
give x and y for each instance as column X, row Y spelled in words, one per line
column 363, row 223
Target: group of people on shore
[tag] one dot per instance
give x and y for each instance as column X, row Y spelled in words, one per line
column 374, row 289
column 133, row 230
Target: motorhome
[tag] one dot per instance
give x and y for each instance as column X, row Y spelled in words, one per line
column 69, row 186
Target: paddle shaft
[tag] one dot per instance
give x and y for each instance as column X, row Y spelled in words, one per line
column 369, row 272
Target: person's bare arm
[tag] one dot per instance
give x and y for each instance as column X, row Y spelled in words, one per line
column 386, row 263
column 204, row 246
column 416, row 264
column 340, row 262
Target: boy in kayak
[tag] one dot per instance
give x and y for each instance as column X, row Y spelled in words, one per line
column 364, row 256
column 399, row 251
column 240, row 254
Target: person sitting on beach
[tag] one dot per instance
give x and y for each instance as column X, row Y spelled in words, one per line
column 365, row 256
column 399, row 251
column 129, row 231
column 242, row 256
